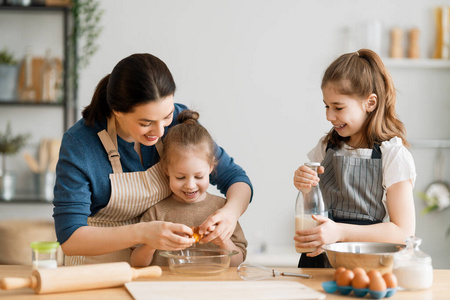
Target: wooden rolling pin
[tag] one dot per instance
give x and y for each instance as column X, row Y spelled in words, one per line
column 76, row 278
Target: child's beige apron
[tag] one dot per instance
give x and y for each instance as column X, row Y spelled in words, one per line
column 131, row 195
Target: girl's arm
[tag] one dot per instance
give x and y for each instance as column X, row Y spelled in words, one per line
column 237, row 259
column 90, row 240
column 142, row 256
column 400, row 205
column 225, row 219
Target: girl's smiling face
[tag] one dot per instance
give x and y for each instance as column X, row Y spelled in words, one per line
column 188, row 173
column 347, row 114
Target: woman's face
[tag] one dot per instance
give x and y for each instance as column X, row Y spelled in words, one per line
column 346, row 114
column 188, row 173
column 146, row 123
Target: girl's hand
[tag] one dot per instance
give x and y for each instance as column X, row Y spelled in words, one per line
column 166, row 235
column 305, row 178
column 324, row 233
column 220, row 226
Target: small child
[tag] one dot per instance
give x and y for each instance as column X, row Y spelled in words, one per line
column 188, row 160
column 368, row 175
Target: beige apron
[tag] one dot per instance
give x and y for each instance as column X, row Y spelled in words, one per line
column 131, row 195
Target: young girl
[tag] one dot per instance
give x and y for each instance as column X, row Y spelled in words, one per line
column 188, row 159
column 367, row 174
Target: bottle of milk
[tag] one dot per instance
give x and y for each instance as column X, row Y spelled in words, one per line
column 308, row 204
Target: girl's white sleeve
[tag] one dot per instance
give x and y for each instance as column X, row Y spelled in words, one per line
column 397, row 163
column 317, row 154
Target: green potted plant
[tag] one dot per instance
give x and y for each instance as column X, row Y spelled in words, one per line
column 9, row 144
column 9, row 74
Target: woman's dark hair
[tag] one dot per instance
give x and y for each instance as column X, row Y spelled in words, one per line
column 135, row 80
column 186, row 135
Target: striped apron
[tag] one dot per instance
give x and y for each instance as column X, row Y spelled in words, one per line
column 353, row 193
column 132, row 194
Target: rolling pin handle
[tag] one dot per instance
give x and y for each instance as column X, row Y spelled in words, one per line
column 11, row 283
column 147, row 272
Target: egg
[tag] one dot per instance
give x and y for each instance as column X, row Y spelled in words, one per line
column 337, row 272
column 377, row 283
column 358, row 270
column 345, row 278
column 374, row 273
column 361, row 281
column 391, row 280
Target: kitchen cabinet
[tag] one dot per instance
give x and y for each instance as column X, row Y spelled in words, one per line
column 20, row 27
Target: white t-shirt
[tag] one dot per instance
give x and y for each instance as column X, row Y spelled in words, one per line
column 396, row 161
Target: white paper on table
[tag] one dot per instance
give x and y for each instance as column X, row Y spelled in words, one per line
column 218, row 290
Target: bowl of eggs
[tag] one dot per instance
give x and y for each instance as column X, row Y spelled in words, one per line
column 366, row 255
column 360, row 283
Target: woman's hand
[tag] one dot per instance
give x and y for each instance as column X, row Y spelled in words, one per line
column 166, row 235
column 324, row 233
column 219, row 226
column 305, row 178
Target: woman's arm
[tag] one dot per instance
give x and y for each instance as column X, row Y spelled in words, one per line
column 232, row 181
column 90, row 240
column 400, row 205
column 225, row 219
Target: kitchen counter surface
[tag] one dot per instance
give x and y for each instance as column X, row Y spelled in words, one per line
column 439, row 290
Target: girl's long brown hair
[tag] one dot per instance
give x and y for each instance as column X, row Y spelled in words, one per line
column 360, row 74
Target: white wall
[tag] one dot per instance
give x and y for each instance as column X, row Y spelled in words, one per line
column 252, row 69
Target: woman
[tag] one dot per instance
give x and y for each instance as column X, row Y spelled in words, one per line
column 108, row 172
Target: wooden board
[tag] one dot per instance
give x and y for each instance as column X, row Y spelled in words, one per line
column 218, row 290
column 36, row 68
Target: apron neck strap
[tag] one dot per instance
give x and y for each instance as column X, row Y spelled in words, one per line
column 109, row 141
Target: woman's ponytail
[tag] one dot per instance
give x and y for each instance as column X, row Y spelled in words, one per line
column 98, row 109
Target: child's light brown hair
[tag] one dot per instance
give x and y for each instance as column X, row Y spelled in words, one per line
column 188, row 135
column 360, row 74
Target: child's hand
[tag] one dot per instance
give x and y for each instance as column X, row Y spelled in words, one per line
column 324, row 233
column 305, row 178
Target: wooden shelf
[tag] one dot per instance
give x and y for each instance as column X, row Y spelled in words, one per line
column 409, row 63
column 23, row 104
column 33, row 7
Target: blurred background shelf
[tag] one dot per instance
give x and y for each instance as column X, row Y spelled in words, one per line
column 427, row 63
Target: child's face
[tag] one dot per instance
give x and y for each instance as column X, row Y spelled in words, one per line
column 347, row 114
column 189, row 176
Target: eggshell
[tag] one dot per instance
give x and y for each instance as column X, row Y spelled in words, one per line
column 358, row 270
column 361, row 281
column 373, row 273
column 391, row 280
column 337, row 272
column 377, row 283
column 345, row 278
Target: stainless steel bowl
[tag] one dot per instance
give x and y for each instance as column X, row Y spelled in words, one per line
column 198, row 261
column 367, row 255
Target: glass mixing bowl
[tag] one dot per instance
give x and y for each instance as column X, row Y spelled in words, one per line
column 198, row 261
